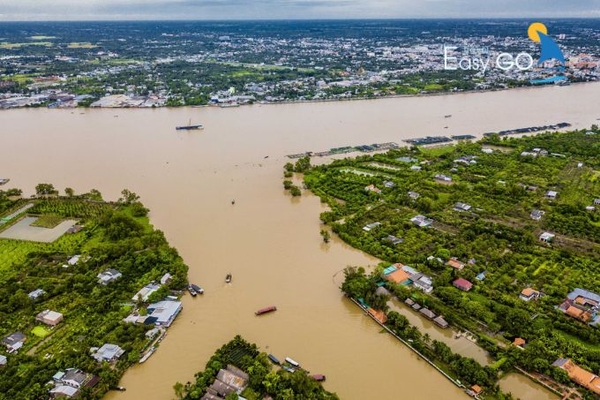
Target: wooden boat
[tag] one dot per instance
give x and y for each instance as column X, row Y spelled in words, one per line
column 192, row 291
column 274, row 359
column 197, row 288
column 228, row 278
column 318, row 377
column 292, row 362
column 266, row 310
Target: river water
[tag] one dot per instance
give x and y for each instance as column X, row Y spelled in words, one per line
column 267, row 240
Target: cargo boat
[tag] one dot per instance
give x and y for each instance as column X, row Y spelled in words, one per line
column 266, row 310
column 189, row 127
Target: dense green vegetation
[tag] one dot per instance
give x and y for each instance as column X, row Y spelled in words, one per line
column 263, row 380
column 496, row 235
column 115, row 236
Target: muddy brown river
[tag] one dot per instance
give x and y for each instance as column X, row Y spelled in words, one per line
column 267, row 240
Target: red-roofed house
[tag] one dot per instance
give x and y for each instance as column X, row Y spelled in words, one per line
column 462, row 284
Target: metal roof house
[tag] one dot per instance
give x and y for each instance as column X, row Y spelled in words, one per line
column 164, row 311
column 108, row 352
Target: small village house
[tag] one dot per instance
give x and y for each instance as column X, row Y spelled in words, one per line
column 14, row 341
column 462, row 284
column 529, row 294
column 49, row 317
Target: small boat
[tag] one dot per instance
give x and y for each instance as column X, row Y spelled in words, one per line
column 318, row 377
column 228, row 278
column 447, row 116
column 147, row 354
column 292, row 362
column 266, row 157
column 274, row 359
column 192, row 291
column 197, row 288
column 232, row 201
column 288, row 369
column 266, row 310
column 189, row 126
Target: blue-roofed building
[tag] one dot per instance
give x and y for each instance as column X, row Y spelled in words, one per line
column 481, row 276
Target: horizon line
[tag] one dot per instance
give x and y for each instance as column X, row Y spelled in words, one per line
column 303, row 19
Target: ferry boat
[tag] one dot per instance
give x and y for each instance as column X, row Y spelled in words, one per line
column 318, row 377
column 266, row 310
column 228, row 278
column 189, row 126
column 293, row 363
column 197, row 289
column 274, row 359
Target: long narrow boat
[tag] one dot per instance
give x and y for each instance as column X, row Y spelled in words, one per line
column 197, row 288
column 274, row 359
column 266, row 310
column 293, row 363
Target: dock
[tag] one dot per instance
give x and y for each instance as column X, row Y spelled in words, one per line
column 428, row 140
column 530, row 129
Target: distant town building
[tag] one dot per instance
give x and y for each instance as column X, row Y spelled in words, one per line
column 421, row 221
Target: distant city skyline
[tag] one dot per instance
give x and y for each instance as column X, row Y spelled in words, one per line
column 66, row 10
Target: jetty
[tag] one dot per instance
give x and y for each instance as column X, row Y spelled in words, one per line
column 364, row 148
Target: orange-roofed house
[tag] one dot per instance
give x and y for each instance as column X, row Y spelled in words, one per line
column 519, row 342
column 529, row 294
column 476, row 389
column 378, row 315
column 579, row 375
column 454, row 263
column 398, row 276
column 578, row 313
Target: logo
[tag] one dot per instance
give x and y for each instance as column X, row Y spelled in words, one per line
column 482, row 60
column 550, row 50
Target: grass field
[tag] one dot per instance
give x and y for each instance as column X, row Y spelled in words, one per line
column 48, row 221
column 8, row 46
column 81, row 45
column 40, row 331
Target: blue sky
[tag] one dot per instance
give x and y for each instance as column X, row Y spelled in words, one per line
column 32, row 10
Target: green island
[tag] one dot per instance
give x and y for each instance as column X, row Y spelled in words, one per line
column 239, row 370
column 70, row 269
column 497, row 238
